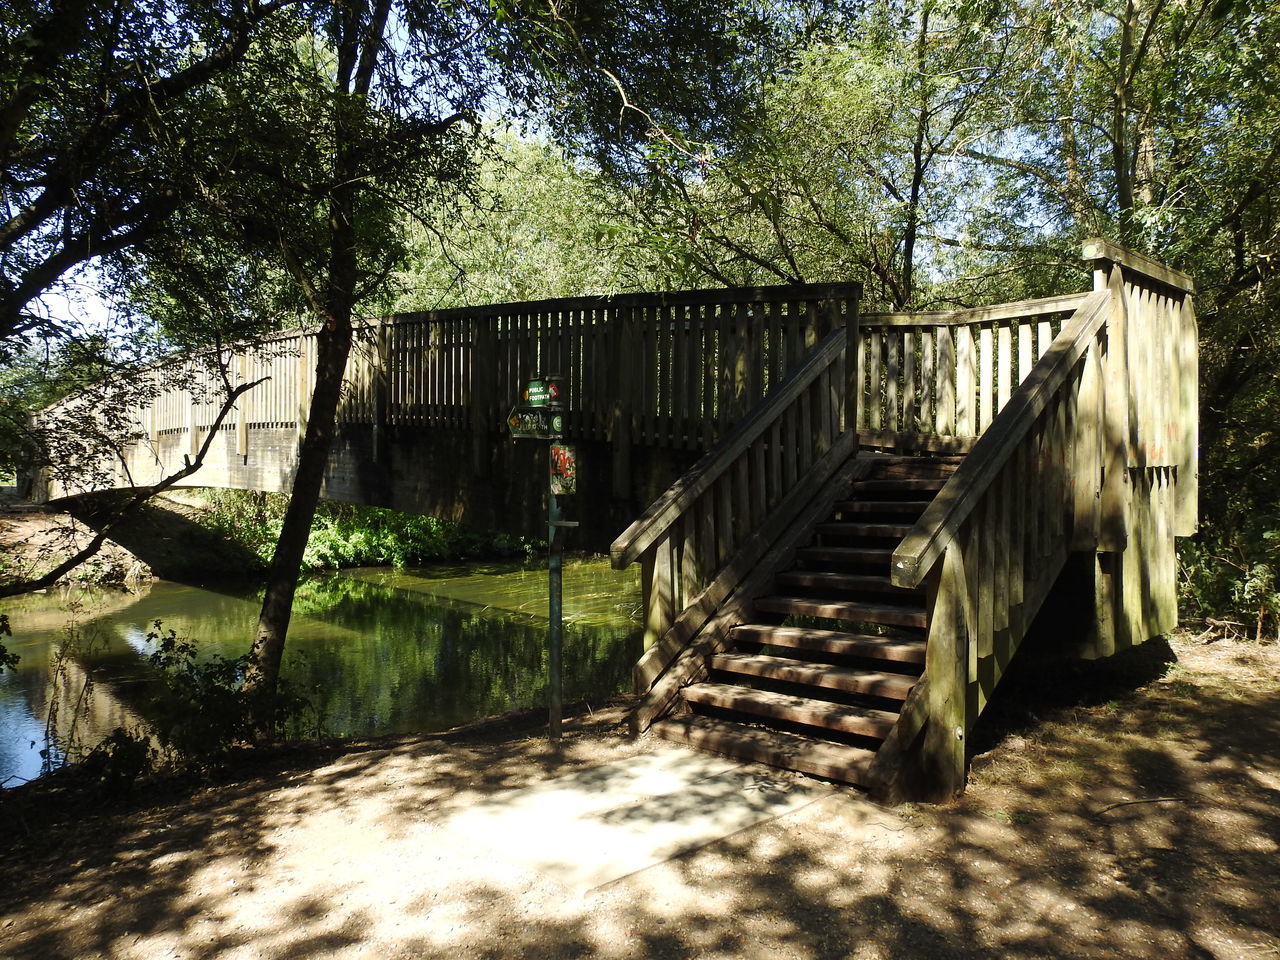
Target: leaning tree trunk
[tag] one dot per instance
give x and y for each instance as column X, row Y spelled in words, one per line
column 361, row 33
column 333, row 344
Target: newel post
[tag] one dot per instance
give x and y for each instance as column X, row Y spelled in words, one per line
column 1117, row 414
column 947, row 669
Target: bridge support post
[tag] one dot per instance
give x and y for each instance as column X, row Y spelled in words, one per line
column 946, row 734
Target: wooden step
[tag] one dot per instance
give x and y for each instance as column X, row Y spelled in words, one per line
column 847, row 582
column 803, row 710
column 908, row 507
column 844, row 610
column 891, row 686
column 830, row 760
column 899, row 486
column 845, row 554
column 914, row 468
column 833, row 642
column 843, row 529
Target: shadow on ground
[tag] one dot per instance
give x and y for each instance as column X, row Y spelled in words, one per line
column 1048, row 854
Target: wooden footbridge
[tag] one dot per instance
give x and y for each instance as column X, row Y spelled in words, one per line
column 868, row 511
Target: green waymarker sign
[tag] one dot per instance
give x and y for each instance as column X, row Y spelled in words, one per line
column 542, row 392
column 535, row 423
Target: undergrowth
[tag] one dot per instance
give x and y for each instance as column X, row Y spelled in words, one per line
column 349, row 535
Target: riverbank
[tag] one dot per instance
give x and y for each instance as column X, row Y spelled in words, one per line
column 1135, row 815
column 205, row 535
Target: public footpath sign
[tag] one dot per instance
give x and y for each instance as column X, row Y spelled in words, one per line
column 535, row 423
column 540, row 416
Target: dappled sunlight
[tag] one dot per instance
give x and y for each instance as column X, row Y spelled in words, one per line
column 1047, row 855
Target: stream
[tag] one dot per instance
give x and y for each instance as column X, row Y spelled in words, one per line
column 374, row 650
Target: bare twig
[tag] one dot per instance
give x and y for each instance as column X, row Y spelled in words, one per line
column 1126, row 803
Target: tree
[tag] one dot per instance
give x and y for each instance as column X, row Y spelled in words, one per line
column 379, row 116
column 106, row 131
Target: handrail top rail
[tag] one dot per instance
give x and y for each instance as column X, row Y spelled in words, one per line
column 779, row 293
column 1097, row 249
column 663, row 512
column 1022, row 310
column 942, row 519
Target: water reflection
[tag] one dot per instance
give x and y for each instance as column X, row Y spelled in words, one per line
column 376, row 651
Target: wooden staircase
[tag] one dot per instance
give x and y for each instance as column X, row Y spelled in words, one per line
column 817, row 605
column 821, row 699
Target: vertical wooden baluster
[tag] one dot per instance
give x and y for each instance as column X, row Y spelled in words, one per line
column 875, row 389
column 680, row 375
column 1026, row 350
column 986, row 377
column 893, row 369
column 1004, row 365
column 710, row 378
column 863, row 347
column 928, row 381
column 693, row 577
column 910, row 393
column 966, row 422
column 805, row 439
column 790, row 444
column 759, row 484
column 697, row 412
column 946, row 379
column 742, row 527
column 1188, row 400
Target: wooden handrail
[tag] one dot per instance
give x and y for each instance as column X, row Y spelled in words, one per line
column 1098, row 249
column 657, row 520
column 940, row 522
column 674, row 298
column 1004, row 311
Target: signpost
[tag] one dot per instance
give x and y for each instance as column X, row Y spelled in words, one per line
column 540, row 416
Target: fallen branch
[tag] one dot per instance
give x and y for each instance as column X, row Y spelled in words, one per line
column 1125, row 803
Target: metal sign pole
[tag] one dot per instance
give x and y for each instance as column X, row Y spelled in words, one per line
column 541, row 416
column 555, row 634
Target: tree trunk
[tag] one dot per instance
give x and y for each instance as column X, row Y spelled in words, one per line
column 333, row 344
column 360, row 36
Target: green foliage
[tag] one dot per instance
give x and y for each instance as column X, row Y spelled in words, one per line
column 8, row 661
column 1229, row 582
column 348, row 535
column 203, row 711
column 118, row 761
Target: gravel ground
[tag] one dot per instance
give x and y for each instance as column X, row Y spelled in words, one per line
column 1132, row 811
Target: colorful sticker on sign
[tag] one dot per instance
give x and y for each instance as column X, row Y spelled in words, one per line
column 564, row 469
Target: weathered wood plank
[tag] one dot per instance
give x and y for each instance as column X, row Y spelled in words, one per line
column 1102, row 251
column 986, row 377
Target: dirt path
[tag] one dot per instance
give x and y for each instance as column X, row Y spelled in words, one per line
column 1046, row 856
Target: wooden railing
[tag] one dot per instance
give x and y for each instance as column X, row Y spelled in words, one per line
column 698, row 542
column 671, row 370
column 935, row 381
column 1085, row 456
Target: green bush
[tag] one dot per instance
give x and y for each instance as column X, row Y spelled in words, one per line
column 347, row 535
column 1229, row 578
column 203, row 710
